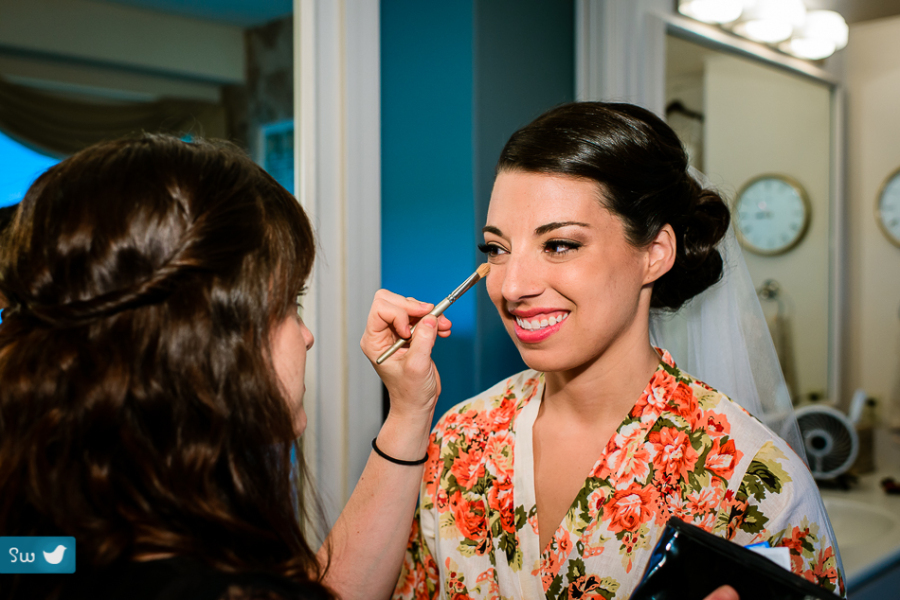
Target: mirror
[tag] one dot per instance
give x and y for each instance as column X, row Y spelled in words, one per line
column 764, row 134
column 81, row 71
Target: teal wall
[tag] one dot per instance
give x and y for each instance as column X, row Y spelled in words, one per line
column 21, row 166
column 457, row 79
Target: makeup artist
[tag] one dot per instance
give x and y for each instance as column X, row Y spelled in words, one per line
column 557, row 482
column 151, row 386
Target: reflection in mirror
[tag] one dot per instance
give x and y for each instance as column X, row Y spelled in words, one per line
column 749, row 122
column 80, row 71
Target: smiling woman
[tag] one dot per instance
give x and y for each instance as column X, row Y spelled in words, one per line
column 558, row 481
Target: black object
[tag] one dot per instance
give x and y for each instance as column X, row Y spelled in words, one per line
column 689, row 563
column 397, row 461
column 890, row 486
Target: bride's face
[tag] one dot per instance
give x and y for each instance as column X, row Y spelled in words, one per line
column 564, row 278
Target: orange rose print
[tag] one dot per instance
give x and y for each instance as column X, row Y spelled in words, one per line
column 630, row 508
column 469, row 518
column 655, row 398
column 469, row 468
column 673, row 453
column 722, row 458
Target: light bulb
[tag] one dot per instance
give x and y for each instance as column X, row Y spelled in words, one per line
column 771, row 21
column 825, row 25
column 823, row 33
column 711, row 11
column 809, row 48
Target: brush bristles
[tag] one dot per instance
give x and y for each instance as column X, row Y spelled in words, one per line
column 484, row 269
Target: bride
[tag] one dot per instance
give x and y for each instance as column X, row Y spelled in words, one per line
column 557, row 482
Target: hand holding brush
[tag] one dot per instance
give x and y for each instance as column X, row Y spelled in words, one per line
column 441, row 306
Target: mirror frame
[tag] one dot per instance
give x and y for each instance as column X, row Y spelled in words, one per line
column 658, row 26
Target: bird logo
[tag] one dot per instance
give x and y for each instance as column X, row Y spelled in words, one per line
column 55, row 557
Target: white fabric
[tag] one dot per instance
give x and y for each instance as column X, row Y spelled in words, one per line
column 721, row 337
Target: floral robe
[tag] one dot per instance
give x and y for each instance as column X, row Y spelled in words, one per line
column 684, row 450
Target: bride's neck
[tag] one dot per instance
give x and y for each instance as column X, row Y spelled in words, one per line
column 606, row 388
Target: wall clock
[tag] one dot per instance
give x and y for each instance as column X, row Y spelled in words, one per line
column 887, row 209
column 771, row 214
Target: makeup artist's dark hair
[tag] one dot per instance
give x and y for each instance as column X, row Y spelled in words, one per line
column 641, row 167
column 140, row 411
column 6, row 217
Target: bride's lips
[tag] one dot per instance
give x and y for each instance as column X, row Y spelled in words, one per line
column 537, row 324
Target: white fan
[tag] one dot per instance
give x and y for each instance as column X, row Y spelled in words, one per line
column 829, row 436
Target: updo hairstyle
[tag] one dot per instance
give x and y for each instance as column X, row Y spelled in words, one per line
column 642, row 170
column 140, row 411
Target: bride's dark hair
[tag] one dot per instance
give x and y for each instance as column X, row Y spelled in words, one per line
column 642, row 170
column 139, row 407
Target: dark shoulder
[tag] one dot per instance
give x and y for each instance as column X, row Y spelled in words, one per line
column 186, row 579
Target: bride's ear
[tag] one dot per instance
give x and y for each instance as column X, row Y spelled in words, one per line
column 661, row 254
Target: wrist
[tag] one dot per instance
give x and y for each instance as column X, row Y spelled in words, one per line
column 410, row 413
column 405, row 436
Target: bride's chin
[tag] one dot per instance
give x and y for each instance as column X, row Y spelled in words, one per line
column 545, row 361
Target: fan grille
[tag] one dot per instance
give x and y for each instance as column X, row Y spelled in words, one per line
column 830, row 441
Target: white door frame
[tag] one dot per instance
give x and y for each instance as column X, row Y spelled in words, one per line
column 338, row 182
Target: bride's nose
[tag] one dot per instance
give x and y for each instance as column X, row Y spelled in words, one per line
column 521, row 277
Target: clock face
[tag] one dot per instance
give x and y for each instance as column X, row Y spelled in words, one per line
column 771, row 214
column 888, row 209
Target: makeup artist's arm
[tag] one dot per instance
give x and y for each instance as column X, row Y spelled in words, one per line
column 369, row 540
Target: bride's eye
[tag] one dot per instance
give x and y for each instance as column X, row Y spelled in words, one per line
column 561, row 247
column 492, row 250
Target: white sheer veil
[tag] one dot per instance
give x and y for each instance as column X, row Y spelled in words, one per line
column 721, row 337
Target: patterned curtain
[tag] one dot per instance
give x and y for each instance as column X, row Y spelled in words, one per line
column 59, row 124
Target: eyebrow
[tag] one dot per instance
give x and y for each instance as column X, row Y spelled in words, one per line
column 557, row 225
column 538, row 230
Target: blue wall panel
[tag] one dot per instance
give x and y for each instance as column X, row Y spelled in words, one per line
column 524, row 65
column 457, row 79
column 428, row 245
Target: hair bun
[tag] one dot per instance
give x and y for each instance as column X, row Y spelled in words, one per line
column 698, row 264
column 705, row 227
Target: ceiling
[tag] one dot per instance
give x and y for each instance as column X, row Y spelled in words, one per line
column 855, row 11
column 244, row 13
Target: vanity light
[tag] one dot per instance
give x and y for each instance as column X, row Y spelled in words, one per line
column 823, row 32
column 711, row 11
column 771, row 21
column 785, row 24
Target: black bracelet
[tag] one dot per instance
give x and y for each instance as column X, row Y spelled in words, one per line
column 396, row 461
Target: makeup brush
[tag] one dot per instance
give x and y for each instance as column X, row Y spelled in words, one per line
column 441, row 306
